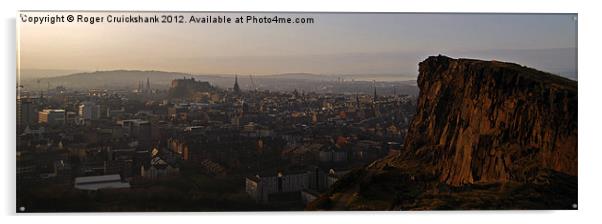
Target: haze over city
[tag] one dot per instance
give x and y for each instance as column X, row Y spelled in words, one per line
column 333, row 44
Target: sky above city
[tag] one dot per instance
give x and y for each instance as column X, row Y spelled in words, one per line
column 347, row 43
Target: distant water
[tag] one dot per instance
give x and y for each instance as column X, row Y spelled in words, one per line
column 380, row 78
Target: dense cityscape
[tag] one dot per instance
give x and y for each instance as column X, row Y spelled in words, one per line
column 192, row 146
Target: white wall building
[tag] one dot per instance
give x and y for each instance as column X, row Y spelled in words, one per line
column 93, row 183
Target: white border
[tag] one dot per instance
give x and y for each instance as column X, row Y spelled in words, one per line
column 589, row 110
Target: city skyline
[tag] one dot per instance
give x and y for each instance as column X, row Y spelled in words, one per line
column 359, row 112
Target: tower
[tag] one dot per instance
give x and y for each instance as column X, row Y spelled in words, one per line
column 374, row 86
column 148, row 89
column 375, row 108
column 236, row 87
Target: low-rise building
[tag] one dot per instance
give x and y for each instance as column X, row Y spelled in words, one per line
column 52, row 116
column 93, row 183
column 260, row 187
column 159, row 168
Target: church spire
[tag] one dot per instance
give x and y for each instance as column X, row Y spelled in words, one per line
column 148, row 84
column 236, row 87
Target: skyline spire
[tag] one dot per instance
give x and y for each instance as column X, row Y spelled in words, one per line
column 147, row 84
column 236, row 87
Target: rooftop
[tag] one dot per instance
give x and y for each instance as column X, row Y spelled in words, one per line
column 100, row 182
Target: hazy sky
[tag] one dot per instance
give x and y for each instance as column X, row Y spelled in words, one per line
column 333, row 44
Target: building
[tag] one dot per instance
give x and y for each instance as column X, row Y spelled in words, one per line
column 52, row 116
column 27, row 113
column 139, row 129
column 253, row 130
column 114, row 112
column 333, row 155
column 89, row 111
column 71, row 118
column 213, row 168
column 186, row 88
column 179, row 147
column 261, row 187
column 158, row 167
column 93, row 183
column 178, row 112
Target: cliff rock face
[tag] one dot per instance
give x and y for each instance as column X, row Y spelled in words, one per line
column 486, row 135
column 488, row 121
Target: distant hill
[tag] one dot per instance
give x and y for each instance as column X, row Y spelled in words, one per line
column 113, row 79
column 32, row 74
column 130, row 79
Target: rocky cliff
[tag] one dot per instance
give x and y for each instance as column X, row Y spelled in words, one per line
column 492, row 121
column 486, row 135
